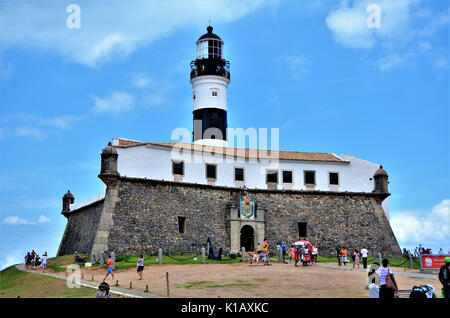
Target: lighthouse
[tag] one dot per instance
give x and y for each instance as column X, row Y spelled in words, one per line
column 210, row 76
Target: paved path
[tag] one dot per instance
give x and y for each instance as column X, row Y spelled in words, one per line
column 113, row 290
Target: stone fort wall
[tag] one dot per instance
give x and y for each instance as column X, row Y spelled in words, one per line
column 147, row 211
column 80, row 230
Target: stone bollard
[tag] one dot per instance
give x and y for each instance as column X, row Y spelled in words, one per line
column 379, row 258
column 146, row 289
column 131, row 285
column 203, row 255
column 113, row 256
column 243, row 254
column 92, row 277
column 117, row 282
column 102, row 258
column 93, row 259
column 410, row 261
column 160, row 256
column 207, row 249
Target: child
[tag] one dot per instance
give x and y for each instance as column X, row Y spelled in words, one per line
column 356, row 258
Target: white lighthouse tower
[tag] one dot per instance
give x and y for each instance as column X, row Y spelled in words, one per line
column 210, row 77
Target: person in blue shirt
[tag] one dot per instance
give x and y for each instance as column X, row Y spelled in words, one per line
column 283, row 247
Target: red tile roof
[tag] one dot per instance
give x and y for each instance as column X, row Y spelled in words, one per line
column 240, row 152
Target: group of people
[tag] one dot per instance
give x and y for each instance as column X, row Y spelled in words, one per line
column 307, row 254
column 261, row 255
column 34, row 261
column 342, row 255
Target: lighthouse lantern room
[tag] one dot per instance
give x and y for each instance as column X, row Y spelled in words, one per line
column 210, row 76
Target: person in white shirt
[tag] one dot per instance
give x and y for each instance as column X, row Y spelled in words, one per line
column 364, row 254
column 44, row 262
column 384, row 272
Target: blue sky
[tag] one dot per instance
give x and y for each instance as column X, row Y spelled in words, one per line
column 313, row 70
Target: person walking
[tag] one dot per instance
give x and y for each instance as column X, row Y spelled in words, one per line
column 356, row 259
column 364, row 254
column 388, row 285
column 140, row 266
column 444, row 277
column 296, row 255
column 344, row 256
column 44, row 262
column 338, row 255
column 37, row 262
column 292, row 253
column 265, row 247
column 278, row 252
column 28, row 259
column 283, row 251
column 110, row 268
column 314, row 255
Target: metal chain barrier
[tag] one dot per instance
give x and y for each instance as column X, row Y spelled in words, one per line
column 372, row 260
column 406, row 260
column 182, row 260
column 416, row 260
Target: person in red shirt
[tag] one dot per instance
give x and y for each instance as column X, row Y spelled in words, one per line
column 110, row 268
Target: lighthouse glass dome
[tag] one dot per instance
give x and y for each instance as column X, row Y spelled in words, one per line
column 209, row 48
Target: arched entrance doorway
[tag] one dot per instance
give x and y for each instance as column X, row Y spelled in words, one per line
column 247, row 238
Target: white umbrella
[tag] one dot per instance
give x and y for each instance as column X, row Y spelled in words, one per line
column 302, row 242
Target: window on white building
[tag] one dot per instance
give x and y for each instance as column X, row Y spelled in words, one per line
column 309, row 177
column 178, row 168
column 287, row 176
column 214, row 93
column 272, row 176
column 238, row 174
column 211, row 171
column 334, row 178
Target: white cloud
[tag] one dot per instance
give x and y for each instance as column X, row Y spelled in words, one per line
column 10, row 260
column 116, row 103
column 43, row 219
column 298, row 65
column 393, row 60
column 141, row 80
column 110, row 30
column 429, row 229
column 348, row 22
column 34, row 127
column 16, row 220
column 441, row 63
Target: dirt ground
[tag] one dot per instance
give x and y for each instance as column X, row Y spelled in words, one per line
column 244, row 280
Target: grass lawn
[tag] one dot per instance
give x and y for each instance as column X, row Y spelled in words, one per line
column 15, row 283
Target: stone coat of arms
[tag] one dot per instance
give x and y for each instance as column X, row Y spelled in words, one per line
column 247, row 207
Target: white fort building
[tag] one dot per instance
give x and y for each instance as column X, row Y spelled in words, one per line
column 205, row 174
